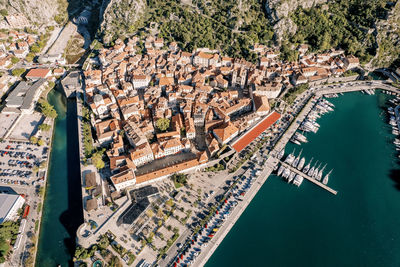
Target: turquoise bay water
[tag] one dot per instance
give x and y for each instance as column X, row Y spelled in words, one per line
column 62, row 210
column 307, row 226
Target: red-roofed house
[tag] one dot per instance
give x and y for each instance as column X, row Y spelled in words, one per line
column 36, row 74
column 226, row 133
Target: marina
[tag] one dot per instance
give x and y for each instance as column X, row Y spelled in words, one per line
column 372, row 185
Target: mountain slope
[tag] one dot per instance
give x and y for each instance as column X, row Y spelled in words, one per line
column 120, row 17
column 388, row 38
column 36, row 11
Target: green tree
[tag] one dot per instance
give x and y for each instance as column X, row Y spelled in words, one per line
column 14, row 60
column 30, row 57
column 33, row 140
column 179, row 178
column 103, row 242
column 47, row 109
column 59, row 19
column 97, row 160
column 35, row 49
column 162, row 124
column 17, row 72
column 3, row 12
column 170, row 202
column 4, row 248
column 40, row 142
column 44, row 127
column 43, row 164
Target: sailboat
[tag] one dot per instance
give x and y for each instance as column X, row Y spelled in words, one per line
column 298, row 180
column 286, row 173
column 307, row 167
column 315, row 174
column 281, row 168
column 319, row 175
column 301, row 163
column 311, row 171
column 289, row 159
column 326, row 178
column 291, row 177
column 296, row 161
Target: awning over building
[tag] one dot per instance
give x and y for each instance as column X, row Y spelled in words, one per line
column 263, row 125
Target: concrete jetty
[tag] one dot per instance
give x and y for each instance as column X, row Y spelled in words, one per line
column 327, row 188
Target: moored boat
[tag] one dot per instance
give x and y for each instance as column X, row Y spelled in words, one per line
column 298, row 180
column 301, row 164
column 326, row 178
column 281, row 168
column 291, row 177
column 307, row 167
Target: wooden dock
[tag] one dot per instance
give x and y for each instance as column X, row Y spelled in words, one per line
column 327, row 188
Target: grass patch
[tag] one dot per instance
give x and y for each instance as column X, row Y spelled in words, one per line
column 291, row 95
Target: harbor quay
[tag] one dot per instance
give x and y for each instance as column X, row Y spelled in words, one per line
column 237, row 212
column 355, row 86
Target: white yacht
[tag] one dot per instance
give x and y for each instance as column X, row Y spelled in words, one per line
column 286, row 173
column 298, row 180
column 311, row 171
column 307, row 167
column 320, row 173
column 294, row 141
column 326, row 178
column 301, row 163
column 297, row 159
column 281, row 169
column 316, row 171
column 289, row 159
column 291, row 177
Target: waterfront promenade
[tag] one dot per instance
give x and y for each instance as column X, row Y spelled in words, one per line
column 236, row 213
column 355, row 86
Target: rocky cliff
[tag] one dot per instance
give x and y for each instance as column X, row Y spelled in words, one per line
column 119, row 17
column 279, row 11
column 36, row 11
column 388, row 39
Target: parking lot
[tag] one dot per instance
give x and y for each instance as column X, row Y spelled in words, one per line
column 192, row 247
column 6, row 121
column 26, row 126
column 18, row 161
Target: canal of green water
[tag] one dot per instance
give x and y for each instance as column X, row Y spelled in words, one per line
column 62, row 209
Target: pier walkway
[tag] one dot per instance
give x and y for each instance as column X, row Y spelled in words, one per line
column 327, row 188
column 284, row 139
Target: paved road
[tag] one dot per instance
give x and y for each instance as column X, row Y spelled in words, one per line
column 62, row 41
column 54, row 35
